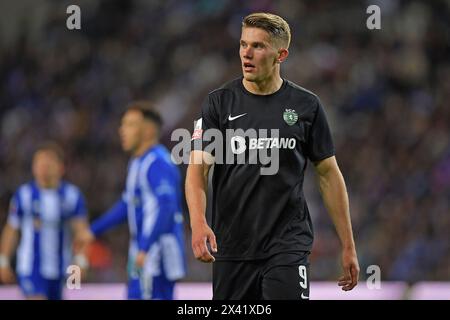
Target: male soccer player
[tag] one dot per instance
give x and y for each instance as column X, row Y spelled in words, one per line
column 261, row 222
column 152, row 203
column 44, row 211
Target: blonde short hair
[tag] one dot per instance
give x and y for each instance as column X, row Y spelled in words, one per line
column 276, row 26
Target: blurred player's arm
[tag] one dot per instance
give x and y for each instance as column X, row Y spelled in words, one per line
column 334, row 193
column 82, row 236
column 196, row 189
column 165, row 191
column 80, row 229
column 116, row 215
column 8, row 244
column 9, row 239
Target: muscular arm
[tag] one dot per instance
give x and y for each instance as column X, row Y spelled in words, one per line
column 334, row 193
column 196, row 188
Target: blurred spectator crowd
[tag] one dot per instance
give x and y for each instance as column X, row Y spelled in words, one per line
column 386, row 94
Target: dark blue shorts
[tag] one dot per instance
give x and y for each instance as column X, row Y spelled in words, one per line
column 150, row 287
column 35, row 284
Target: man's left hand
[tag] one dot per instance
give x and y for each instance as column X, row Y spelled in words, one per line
column 140, row 259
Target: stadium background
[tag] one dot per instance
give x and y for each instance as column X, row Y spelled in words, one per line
column 386, row 94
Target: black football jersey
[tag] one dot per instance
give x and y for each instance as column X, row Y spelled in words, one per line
column 256, row 214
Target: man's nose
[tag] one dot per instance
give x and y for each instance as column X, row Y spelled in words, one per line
column 248, row 53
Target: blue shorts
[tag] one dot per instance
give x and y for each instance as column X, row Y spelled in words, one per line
column 36, row 285
column 142, row 286
column 145, row 288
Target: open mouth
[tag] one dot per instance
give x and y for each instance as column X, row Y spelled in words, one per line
column 248, row 67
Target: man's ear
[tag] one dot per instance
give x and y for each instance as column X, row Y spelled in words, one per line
column 282, row 55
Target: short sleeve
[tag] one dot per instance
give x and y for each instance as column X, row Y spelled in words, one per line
column 208, row 119
column 75, row 202
column 161, row 180
column 80, row 210
column 320, row 143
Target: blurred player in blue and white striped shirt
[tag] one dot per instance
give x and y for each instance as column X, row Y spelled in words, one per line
column 44, row 212
column 151, row 203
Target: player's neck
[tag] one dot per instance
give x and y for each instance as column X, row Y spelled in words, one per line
column 49, row 184
column 264, row 87
column 144, row 147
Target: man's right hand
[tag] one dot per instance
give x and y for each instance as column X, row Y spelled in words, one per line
column 201, row 234
column 7, row 275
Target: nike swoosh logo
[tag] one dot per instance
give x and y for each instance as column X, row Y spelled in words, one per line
column 304, row 297
column 230, row 118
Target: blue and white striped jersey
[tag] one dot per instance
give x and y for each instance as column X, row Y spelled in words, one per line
column 152, row 204
column 43, row 217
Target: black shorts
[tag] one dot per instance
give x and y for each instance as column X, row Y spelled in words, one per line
column 283, row 276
